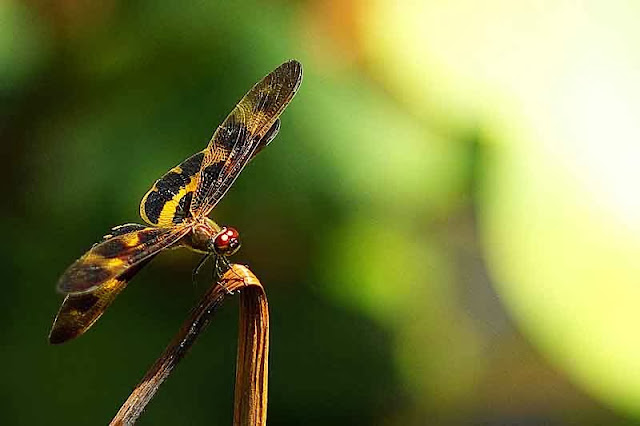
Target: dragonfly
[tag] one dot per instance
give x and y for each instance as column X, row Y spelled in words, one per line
column 176, row 208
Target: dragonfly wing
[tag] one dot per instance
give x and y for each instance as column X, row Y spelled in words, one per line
column 251, row 125
column 115, row 256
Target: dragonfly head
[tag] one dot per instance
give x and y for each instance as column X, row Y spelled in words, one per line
column 226, row 242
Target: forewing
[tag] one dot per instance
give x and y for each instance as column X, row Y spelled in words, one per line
column 167, row 202
column 79, row 312
column 111, row 258
column 241, row 134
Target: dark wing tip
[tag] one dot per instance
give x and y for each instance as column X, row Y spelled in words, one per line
column 60, row 334
column 84, row 275
column 293, row 69
column 294, row 63
column 70, row 284
column 63, row 286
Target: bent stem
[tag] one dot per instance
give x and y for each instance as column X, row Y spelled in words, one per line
column 250, row 406
column 250, row 399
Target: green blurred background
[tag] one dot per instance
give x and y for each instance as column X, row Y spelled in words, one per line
column 448, row 225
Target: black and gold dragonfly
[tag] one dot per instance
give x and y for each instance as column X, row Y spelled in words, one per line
column 177, row 207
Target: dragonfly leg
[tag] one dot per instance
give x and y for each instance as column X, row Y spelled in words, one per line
column 201, row 263
column 222, row 265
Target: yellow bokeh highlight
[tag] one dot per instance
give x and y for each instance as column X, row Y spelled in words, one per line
column 554, row 89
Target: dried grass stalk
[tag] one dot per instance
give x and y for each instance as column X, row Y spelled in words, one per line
column 253, row 348
column 250, row 406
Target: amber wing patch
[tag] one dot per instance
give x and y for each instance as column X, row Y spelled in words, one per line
column 167, row 202
column 115, row 256
column 238, row 138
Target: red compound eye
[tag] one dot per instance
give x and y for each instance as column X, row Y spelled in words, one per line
column 227, row 242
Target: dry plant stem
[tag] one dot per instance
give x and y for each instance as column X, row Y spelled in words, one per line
column 236, row 278
column 250, row 407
